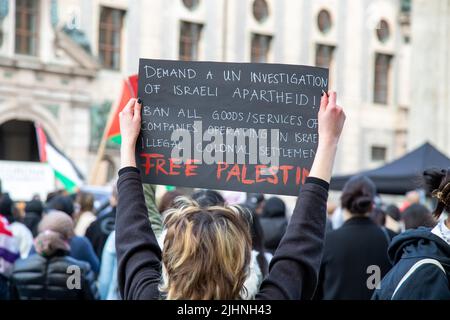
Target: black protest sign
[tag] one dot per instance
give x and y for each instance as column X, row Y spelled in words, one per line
column 232, row 126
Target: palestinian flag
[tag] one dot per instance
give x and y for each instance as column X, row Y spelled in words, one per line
column 65, row 170
column 129, row 90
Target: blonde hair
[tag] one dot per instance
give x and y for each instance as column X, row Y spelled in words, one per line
column 206, row 252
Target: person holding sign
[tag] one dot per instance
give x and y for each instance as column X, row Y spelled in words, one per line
column 206, row 251
column 229, row 126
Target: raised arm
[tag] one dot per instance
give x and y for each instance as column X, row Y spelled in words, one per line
column 138, row 252
column 294, row 269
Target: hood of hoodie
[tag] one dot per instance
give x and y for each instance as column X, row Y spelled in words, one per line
column 420, row 243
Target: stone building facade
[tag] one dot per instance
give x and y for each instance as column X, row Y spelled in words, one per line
column 430, row 74
column 62, row 61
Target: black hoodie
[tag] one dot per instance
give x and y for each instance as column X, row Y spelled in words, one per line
column 428, row 282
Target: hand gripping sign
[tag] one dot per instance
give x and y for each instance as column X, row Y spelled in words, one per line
column 232, row 126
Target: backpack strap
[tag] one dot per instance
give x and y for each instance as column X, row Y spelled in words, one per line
column 417, row 265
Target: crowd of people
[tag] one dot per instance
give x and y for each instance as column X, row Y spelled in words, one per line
column 208, row 245
column 41, row 241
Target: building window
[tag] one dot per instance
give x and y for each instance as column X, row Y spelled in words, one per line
column 383, row 31
column 324, row 21
column 325, row 59
column 191, row 4
column 324, row 55
column 260, row 10
column 405, row 6
column 110, row 36
column 378, row 153
column 260, row 48
column 189, row 40
column 27, row 24
column 382, row 75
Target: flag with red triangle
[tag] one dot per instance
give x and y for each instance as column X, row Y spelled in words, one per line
column 129, row 90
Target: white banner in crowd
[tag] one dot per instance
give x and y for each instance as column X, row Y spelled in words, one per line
column 22, row 180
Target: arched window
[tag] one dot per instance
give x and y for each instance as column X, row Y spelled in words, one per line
column 383, row 32
column 18, row 141
column 191, row 4
column 260, row 10
column 324, row 22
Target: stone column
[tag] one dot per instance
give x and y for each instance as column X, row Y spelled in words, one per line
column 430, row 74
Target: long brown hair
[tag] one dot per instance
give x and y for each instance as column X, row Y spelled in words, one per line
column 206, row 253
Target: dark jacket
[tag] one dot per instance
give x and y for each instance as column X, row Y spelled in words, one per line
column 348, row 253
column 428, row 282
column 293, row 269
column 42, row 278
column 274, row 223
column 99, row 230
column 81, row 249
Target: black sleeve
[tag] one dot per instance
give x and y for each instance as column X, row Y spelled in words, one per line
column 138, row 252
column 294, row 269
column 128, row 169
column 319, row 294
